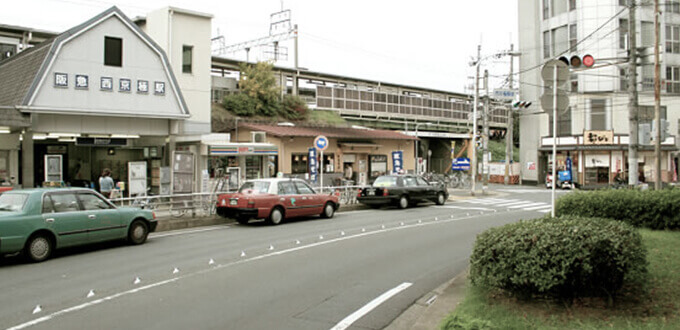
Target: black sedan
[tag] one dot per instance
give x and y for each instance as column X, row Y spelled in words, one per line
column 402, row 191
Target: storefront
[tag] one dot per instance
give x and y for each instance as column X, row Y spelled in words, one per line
column 353, row 156
column 237, row 162
column 596, row 163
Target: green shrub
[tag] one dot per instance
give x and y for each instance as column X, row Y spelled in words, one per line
column 563, row 257
column 655, row 209
column 294, row 107
column 464, row 322
column 240, row 104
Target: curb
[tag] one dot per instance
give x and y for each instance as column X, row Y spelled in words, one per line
column 429, row 311
column 187, row 221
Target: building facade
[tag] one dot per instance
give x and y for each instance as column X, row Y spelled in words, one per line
column 593, row 132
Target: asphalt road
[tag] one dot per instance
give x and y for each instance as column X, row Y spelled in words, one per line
column 359, row 270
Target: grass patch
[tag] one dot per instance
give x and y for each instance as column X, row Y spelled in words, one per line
column 659, row 308
column 325, row 117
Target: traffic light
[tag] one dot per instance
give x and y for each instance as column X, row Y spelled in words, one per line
column 576, row 61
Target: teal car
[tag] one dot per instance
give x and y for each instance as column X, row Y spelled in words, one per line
column 38, row 221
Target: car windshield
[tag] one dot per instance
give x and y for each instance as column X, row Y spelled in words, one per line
column 385, row 181
column 259, row 187
column 12, row 202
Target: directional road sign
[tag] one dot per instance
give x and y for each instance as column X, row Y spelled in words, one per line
column 548, row 72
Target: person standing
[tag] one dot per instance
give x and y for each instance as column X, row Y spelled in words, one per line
column 106, row 183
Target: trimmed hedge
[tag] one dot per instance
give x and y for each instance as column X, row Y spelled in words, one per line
column 562, row 257
column 655, row 209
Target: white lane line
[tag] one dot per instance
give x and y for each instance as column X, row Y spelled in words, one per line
column 490, row 201
column 545, row 211
column 185, row 232
column 527, row 205
column 349, row 320
column 537, row 207
column 234, row 263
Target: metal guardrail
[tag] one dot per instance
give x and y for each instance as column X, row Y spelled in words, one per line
column 204, row 204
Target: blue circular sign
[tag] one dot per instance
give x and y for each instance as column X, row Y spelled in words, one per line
column 321, row 142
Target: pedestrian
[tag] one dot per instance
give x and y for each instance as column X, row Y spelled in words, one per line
column 106, row 183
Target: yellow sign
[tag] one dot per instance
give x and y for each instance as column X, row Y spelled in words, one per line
column 598, row 137
column 453, row 149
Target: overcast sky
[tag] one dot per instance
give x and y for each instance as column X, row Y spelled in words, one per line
column 426, row 43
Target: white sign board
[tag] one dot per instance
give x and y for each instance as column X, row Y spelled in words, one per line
column 137, row 178
column 505, row 94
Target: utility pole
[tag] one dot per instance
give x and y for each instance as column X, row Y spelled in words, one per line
column 485, row 136
column 632, row 97
column 509, row 139
column 297, row 70
column 657, row 100
column 474, row 124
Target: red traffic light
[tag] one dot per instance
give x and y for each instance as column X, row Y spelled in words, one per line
column 588, row 60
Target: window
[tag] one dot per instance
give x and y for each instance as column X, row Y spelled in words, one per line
column 64, row 202
column 260, row 187
column 673, row 79
column 186, row 58
column 646, row 34
column 598, row 115
column 7, row 50
column 421, row 182
column 648, row 77
column 623, row 79
column 92, row 202
column 303, row 188
column 113, row 51
column 47, row 205
column 287, row 188
column 672, row 6
column 546, row 9
column 572, row 5
column 573, row 38
column 560, row 40
column 298, row 163
column 12, row 202
column 672, row 38
column 385, row 181
column 546, row 44
column 623, row 33
column 410, row 181
column 563, row 123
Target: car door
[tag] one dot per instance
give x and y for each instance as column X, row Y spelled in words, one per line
column 411, row 187
column 289, row 198
column 105, row 220
column 62, row 214
column 428, row 190
column 311, row 202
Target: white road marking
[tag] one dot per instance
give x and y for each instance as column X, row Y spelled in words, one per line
column 349, row 320
column 185, row 232
column 463, row 208
column 526, row 205
column 545, row 211
column 221, row 266
column 490, row 201
column 537, row 207
column 513, row 203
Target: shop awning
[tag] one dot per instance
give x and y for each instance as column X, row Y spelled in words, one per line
column 242, row 149
column 616, row 147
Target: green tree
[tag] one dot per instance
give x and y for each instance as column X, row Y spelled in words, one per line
column 258, row 82
column 240, row 104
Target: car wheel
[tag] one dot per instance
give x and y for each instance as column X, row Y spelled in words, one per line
column 441, row 199
column 403, row 202
column 275, row 217
column 242, row 220
column 328, row 211
column 38, row 248
column 138, row 232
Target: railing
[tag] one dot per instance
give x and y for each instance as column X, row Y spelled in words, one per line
column 204, row 204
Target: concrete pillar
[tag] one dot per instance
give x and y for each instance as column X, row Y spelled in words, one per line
column 27, row 162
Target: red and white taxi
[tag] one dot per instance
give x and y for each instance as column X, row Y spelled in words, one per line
column 275, row 200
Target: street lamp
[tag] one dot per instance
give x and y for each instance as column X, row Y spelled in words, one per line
column 417, row 146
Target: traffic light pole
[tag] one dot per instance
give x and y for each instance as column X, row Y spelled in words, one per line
column 485, row 136
column 554, row 142
column 632, row 99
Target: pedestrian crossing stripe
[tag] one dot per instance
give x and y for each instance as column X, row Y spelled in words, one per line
column 510, row 204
